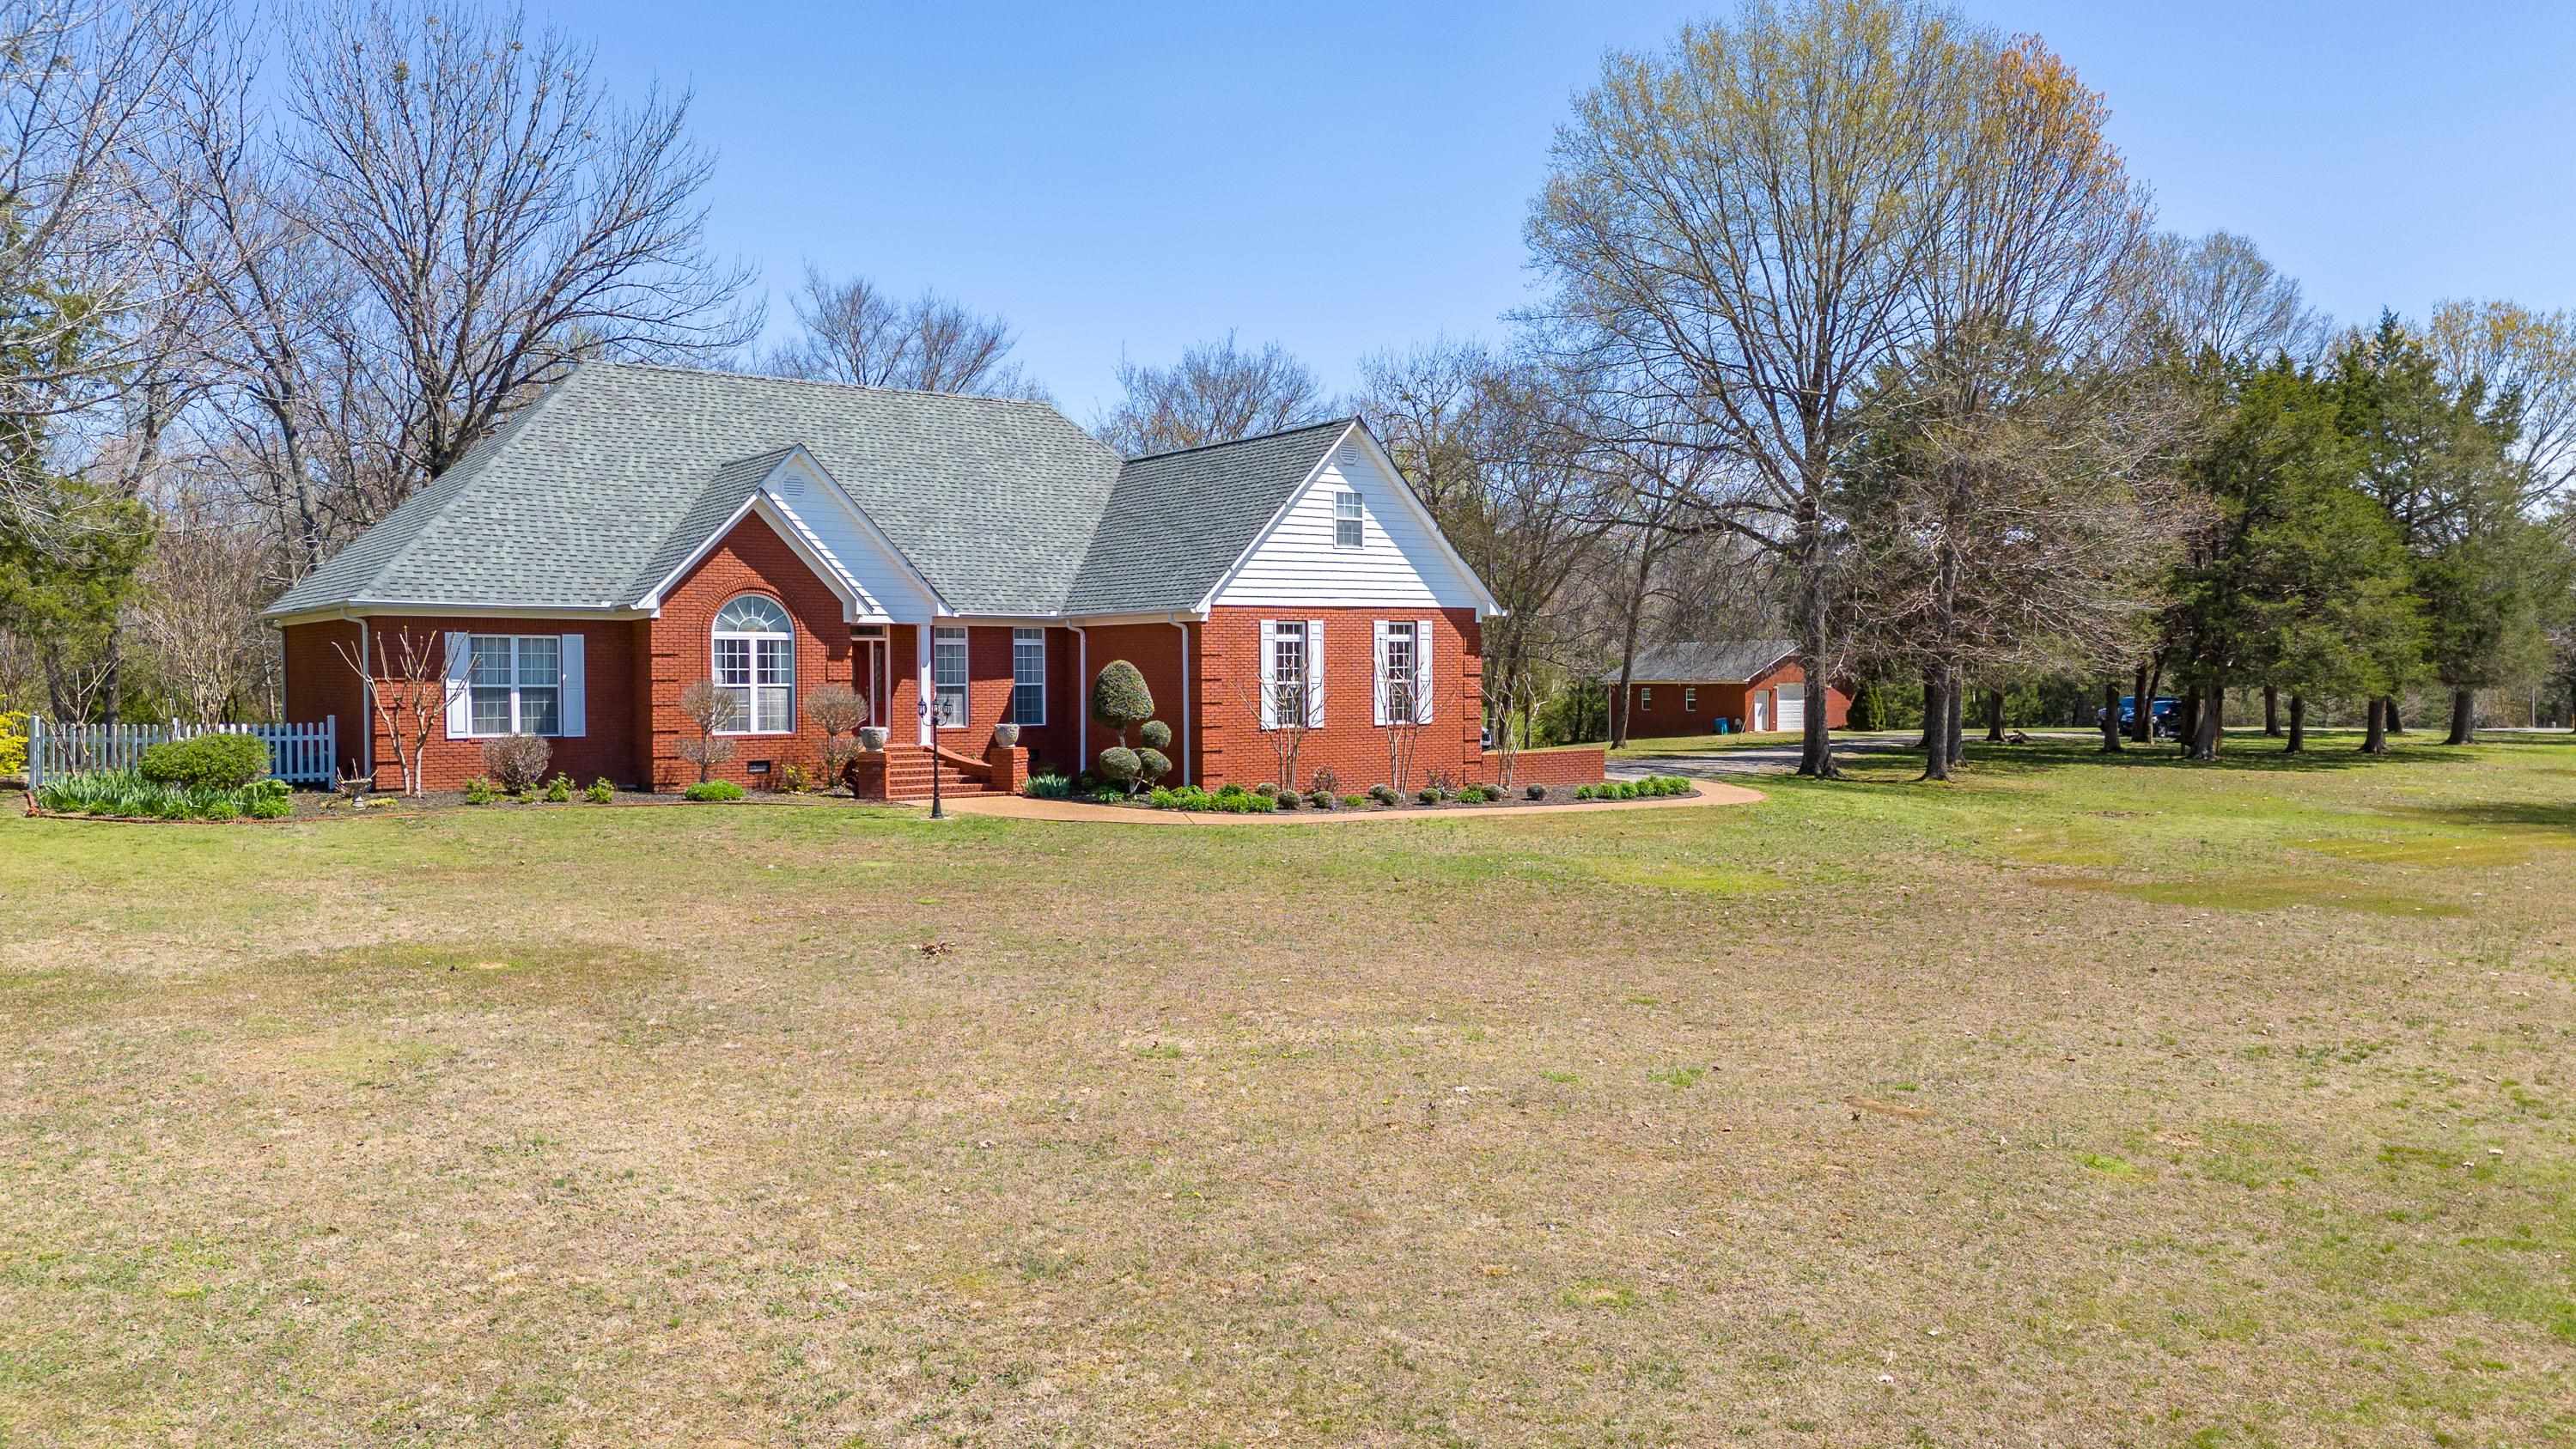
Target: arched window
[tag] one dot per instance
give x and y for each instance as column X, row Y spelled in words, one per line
column 755, row 666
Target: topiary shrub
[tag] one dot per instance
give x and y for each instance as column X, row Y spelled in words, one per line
column 1286, row 800
column 1383, row 794
column 207, row 762
column 516, row 762
column 1324, row 800
column 1536, row 792
column 706, row 790
column 1119, row 698
column 1119, row 765
column 1152, row 764
column 1427, row 795
column 1155, row 735
column 1266, row 789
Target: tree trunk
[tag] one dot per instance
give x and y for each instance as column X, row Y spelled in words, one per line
column 2396, row 725
column 2188, row 735
column 2298, row 744
column 2464, row 718
column 2375, row 740
column 1931, row 710
column 2211, row 725
column 2271, row 712
column 2110, row 715
column 1815, row 746
column 1994, row 716
column 1955, row 694
column 1936, row 734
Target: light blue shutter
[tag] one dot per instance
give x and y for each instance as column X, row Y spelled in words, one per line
column 460, row 694
column 568, row 695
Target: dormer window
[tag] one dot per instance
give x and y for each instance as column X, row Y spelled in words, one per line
column 1348, row 521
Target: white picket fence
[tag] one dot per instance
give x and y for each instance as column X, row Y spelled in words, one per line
column 300, row 754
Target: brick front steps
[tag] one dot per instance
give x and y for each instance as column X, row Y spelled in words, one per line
column 903, row 772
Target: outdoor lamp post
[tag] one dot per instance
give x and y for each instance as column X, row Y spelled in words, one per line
column 936, row 813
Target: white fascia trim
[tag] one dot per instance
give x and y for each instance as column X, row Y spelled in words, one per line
column 786, row 528
column 1487, row 606
column 443, row 609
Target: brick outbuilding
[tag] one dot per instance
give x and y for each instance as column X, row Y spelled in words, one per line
column 961, row 563
column 1753, row 685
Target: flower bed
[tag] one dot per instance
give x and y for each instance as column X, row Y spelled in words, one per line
column 127, row 795
column 1268, row 799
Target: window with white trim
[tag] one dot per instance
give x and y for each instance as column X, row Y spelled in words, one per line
column 1288, row 670
column 516, row 684
column 948, row 675
column 1349, row 522
column 1401, row 678
column 755, row 666
column 1690, row 701
column 1645, row 696
column 1028, row 677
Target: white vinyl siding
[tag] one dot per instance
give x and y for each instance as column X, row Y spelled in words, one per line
column 830, row 528
column 1028, row 677
column 513, row 684
column 948, row 675
column 1398, row 565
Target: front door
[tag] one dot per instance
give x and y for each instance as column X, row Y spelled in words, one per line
column 1762, row 712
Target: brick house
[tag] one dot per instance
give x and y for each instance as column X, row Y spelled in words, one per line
column 961, row 562
column 1754, row 684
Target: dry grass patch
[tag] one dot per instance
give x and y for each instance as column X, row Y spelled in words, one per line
column 1828, row 1120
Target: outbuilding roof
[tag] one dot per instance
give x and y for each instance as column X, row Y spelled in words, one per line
column 1712, row 661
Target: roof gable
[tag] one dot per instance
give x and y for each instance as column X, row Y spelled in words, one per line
column 1403, row 559
column 1177, row 521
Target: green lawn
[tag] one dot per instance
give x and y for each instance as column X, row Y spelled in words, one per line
column 2075, row 1103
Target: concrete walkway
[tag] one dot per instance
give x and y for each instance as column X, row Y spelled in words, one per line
column 1020, row 807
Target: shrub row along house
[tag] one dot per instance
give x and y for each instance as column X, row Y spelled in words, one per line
column 961, row 562
column 1752, row 684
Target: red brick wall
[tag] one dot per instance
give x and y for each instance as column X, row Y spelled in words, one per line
column 606, row 746
column 320, row 684
column 1155, row 650
column 988, row 696
column 1555, row 767
column 751, row 559
column 1235, row 749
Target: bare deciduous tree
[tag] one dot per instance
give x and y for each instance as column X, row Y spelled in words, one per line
column 840, row 711
column 854, row 332
column 498, row 214
column 707, row 709
column 406, row 689
column 196, row 606
column 1736, row 227
column 1216, row 393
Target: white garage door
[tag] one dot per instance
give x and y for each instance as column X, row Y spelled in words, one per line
column 1793, row 707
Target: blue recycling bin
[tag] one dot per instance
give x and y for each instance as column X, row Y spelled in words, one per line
column 1722, row 723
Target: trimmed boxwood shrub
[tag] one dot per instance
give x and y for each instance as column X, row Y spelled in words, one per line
column 1119, row 698
column 1285, row 800
column 1156, row 735
column 1536, row 792
column 1118, row 765
column 706, row 790
column 1353, row 802
column 207, row 762
column 1384, row 794
column 1152, row 764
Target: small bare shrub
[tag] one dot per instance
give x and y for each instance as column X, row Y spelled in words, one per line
column 516, row 762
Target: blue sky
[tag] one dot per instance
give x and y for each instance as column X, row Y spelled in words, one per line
column 1131, row 178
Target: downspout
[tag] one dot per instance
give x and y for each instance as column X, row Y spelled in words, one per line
column 1185, row 695
column 367, row 706
column 1081, row 702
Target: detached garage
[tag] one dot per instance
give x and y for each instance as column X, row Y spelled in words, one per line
column 1752, row 684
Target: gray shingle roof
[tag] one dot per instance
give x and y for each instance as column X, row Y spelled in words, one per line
column 589, row 496
column 994, row 500
column 1177, row 521
column 1727, row 661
